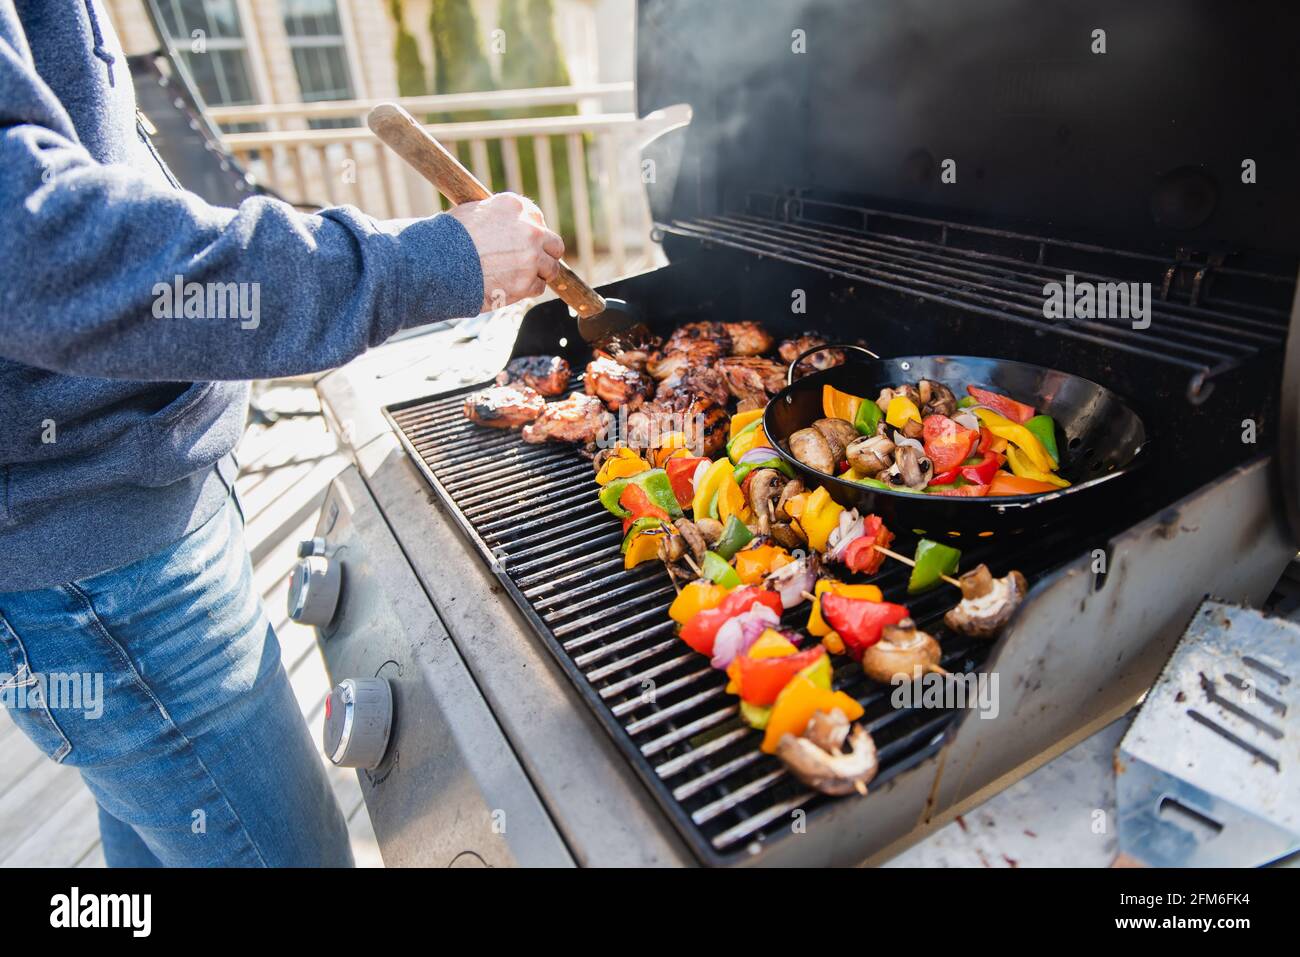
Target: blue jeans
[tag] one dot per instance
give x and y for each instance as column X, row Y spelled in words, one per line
column 161, row 682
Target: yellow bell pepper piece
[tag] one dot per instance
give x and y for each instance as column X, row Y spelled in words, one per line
column 1017, row 435
column 624, row 463
column 1022, row 466
column 696, row 597
column 900, row 410
column 839, row 405
column 820, row 516
column 643, row 548
column 797, row 703
column 710, row 483
column 755, row 564
column 742, row 419
column 731, row 501
column 817, row 626
column 748, row 442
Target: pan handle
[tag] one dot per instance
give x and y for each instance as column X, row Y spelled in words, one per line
column 409, row 140
column 789, row 373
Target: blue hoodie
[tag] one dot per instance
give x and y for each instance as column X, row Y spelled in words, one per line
column 117, row 412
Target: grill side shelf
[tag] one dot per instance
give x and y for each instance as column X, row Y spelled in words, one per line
column 530, row 511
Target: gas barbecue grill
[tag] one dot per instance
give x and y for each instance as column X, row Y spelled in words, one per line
column 543, row 709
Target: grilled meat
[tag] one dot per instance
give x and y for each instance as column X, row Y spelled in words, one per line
column 617, row 385
column 696, row 382
column 792, row 349
column 748, row 338
column 548, row 375
column 504, row 406
column 703, row 421
column 691, row 345
column 752, row 379
column 630, row 347
column 579, row 418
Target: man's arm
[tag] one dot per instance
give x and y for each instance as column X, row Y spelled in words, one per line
column 85, row 246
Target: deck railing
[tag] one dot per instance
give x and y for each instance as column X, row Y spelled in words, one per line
column 597, row 194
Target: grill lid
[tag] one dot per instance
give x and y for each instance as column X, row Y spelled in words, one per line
column 1140, row 146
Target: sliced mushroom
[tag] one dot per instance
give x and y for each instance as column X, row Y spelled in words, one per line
column 910, row 470
column 764, row 487
column 838, row 434
column 785, row 535
column 901, row 650
column 871, row 454
column 987, row 603
column 693, row 537
column 913, row 429
column 711, row 529
column 792, row 488
column 887, row 395
column 810, row 447
column 828, row 769
column 936, row 398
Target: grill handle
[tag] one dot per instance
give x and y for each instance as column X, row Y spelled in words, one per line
column 789, row 373
column 400, row 131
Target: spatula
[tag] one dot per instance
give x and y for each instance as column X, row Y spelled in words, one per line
column 597, row 316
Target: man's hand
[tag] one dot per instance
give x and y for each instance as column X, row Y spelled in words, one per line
column 517, row 251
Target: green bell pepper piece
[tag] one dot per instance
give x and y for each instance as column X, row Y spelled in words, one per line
column 735, row 536
column 717, row 570
column 636, row 528
column 868, row 417
column 755, row 715
column 657, row 488
column 1043, row 428
column 781, row 465
column 966, row 401
column 933, row 561
column 874, row 483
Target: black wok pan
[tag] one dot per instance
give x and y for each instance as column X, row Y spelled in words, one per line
column 1099, row 438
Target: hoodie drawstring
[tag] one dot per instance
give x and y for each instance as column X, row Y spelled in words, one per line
column 99, row 49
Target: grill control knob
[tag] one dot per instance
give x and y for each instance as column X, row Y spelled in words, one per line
column 358, row 719
column 311, row 546
column 314, row 590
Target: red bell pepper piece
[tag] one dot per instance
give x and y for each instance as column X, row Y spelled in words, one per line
column 964, row 491
column 981, row 473
column 861, row 555
column 702, row 629
column 681, row 471
column 762, row 679
column 636, row 501
column 946, row 478
column 1004, row 406
column 946, row 443
column 859, row 621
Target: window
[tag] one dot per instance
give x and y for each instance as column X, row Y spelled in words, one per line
column 319, row 55
column 222, row 72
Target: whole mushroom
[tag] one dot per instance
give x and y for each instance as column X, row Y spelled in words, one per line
column 810, row 447
column 765, row 486
column 987, row 603
column 900, row 652
column 838, row 434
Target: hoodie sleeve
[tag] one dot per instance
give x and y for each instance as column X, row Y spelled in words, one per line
column 94, row 255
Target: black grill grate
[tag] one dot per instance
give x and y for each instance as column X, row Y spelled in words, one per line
column 532, row 512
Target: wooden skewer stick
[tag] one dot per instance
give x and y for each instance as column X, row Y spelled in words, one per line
column 907, row 561
column 694, row 567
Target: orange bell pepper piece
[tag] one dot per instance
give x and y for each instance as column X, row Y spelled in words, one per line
column 1004, row 483
column 696, row 597
column 797, row 703
column 755, row 564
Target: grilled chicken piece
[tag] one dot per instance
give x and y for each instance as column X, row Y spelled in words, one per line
column 694, row 344
column 504, row 406
column 579, row 418
column 616, row 384
column 630, row 347
column 792, row 349
column 549, row 375
column 752, row 379
column 703, row 421
column 748, row 338
column 695, row 382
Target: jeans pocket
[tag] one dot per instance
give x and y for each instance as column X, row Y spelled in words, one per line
column 22, row 691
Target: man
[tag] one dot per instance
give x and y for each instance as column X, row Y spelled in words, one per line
column 121, row 551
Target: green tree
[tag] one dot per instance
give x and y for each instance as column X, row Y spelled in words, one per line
column 460, row 64
column 411, row 78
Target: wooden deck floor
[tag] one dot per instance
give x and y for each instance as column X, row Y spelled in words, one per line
column 47, row 817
